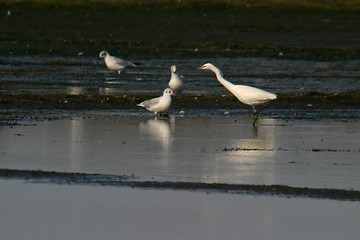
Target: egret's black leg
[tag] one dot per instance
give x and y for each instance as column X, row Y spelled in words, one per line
column 254, row 109
column 256, row 112
column 255, row 116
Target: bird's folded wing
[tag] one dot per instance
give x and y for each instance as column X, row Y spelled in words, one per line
column 151, row 102
column 124, row 63
column 251, row 95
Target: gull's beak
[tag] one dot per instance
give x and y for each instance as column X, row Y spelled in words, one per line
column 173, row 94
column 202, row 67
column 99, row 58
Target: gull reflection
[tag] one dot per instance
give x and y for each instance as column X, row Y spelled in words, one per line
column 108, row 91
column 76, row 134
column 74, row 90
column 160, row 131
column 99, row 91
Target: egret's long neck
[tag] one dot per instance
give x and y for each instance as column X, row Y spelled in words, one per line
column 228, row 85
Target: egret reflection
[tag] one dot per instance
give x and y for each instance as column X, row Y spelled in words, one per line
column 248, row 153
column 259, row 144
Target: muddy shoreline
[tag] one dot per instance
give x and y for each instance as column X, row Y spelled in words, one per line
column 130, row 181
column 312, row 100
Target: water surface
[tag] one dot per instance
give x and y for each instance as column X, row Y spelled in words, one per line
column 201, row 149
column 37, row 211
column 84, row 75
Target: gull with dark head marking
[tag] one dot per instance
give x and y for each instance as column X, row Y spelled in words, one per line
column 175, row 82
column 159, row 104
column 115, row 63
column 246, row 94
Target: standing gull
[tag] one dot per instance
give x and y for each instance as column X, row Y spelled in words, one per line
column 248, row 95
column 175, row 82
column 159, row 104
column 115, row 63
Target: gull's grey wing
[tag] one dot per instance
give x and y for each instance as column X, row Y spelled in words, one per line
column 124, row 63
column 150, row 103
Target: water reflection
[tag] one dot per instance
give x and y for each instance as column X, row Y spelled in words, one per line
column 160, row 131
column 248, row 150
column 76, row 152
column 210, row 149
column 75, row 90
column 258, row 142
column 97, row 91
column 108, row 91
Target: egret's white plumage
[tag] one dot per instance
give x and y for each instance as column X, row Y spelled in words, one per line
column 115, row 63
column 159, row 104
column 175, row 82
column 246, row 94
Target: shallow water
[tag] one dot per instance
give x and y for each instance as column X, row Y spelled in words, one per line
column 37, row 211
column 295, row 150
column 201, row 149
column 80, row 74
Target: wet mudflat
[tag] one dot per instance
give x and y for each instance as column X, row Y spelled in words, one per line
column 85, row 75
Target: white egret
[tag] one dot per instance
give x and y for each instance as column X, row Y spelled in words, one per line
column 246, row 94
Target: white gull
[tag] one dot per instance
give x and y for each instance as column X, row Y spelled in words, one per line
column 115, row 63
column 175, row 82
column 159, row 104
